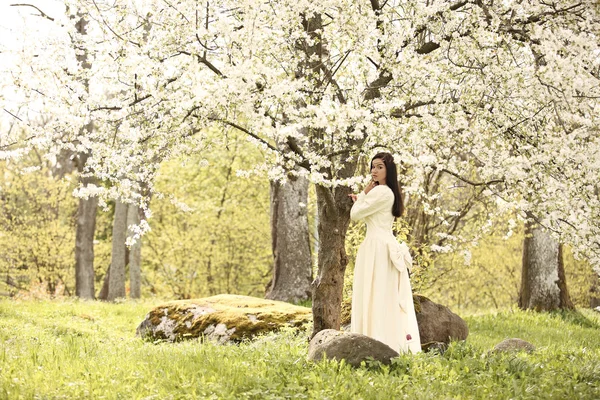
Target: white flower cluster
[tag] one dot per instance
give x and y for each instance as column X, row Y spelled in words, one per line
column 501, row 96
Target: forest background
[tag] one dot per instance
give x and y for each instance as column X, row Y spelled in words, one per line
column 211, row 234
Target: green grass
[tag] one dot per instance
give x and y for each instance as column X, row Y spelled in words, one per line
column 77, row 350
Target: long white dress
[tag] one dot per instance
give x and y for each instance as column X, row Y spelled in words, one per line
column 382, row 304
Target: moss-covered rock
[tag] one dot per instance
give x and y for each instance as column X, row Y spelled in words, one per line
column 223, row 318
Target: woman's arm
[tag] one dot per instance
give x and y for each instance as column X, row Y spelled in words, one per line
column 370, row 203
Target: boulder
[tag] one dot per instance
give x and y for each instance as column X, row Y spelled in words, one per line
column 514, row 345
column 352, row 347
column 221, row 318
column 437, row 323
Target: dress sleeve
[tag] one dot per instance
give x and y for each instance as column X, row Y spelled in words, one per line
column 370, row 203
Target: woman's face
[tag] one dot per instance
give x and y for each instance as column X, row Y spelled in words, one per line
column 378, row 171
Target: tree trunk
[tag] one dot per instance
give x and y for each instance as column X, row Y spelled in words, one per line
column 543, row 282
column 334, row 217
column 103, row 295
column 135, row 255
column 116, row 283
column 86, row 211
column 595, row 292
column 84, row 239
column 292, row 271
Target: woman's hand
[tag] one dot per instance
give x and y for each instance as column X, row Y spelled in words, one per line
column 370, row 186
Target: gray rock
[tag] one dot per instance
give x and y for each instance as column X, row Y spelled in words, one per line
column 514, row 345
column 352, row 347
column 437, row 323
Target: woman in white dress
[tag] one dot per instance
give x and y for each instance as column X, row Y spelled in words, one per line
column 382, row 304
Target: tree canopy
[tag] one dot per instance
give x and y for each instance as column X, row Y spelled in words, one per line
column 499, row 95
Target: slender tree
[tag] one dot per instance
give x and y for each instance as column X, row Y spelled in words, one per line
column 116, row 274
column 84, row 238
column 134, row 255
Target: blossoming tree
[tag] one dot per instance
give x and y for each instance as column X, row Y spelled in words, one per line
column 499, row 95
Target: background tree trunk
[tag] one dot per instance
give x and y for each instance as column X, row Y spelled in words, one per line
column 86, row 211
column 116, row 282
column 84, row 239
column 135, row 255
column 292, row 270
column 595, row 292
column 103, row 295
column 543, row 282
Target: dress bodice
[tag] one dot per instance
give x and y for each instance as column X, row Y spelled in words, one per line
column 375, row 208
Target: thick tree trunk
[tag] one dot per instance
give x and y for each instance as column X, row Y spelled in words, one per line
column 84, row 239
column 292, row 271
column 334, row 218
column 135, row 255
column 116, row 283
column 543, row 282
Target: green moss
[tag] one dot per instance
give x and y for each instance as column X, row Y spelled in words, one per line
column 417, row 300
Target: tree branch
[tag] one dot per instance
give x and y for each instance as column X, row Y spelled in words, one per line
column 111, row 29
column 116, row 108
column 465, row 180
column 42, row 14
column 246, row 131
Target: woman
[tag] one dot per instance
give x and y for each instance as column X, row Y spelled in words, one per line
column 382, row 305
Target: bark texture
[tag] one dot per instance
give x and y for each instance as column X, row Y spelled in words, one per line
column 292, row 270
column 116, row 282
column 334, row 217
column 134, row 255
column 543, row 282
column 84, row 239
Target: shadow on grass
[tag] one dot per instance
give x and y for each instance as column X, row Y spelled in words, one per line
column 575, row 317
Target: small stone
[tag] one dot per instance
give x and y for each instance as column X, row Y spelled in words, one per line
column 352, row 347
column 432, row 346
column 514, row 345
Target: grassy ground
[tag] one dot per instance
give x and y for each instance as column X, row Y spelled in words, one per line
column 76, row 350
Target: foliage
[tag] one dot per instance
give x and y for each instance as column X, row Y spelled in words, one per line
column 501, row 96
column 36, row 229
column 210, row 231
column 488, row 274
column 88, row 350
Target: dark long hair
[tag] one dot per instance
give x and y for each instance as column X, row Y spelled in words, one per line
column 391, row 180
